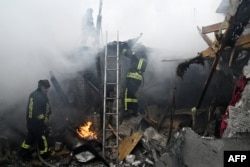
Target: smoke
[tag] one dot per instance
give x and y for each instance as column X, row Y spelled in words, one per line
column 165, row 24
column 40, row 36
column 160, row 81
column 36, row 37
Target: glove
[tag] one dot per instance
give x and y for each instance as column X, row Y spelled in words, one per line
column 122, row 46
column 193, row 110
column 123, row 52
column 46, row 119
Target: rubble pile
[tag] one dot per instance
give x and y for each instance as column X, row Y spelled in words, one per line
column 203, row 151
column 145, row 146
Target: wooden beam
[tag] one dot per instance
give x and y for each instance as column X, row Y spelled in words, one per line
column 115, row 133
column 206, row 38
column 245, row 39
column 217, row 27
column 214, row 27
column 231, row 57
column 209, row 52
column 242, row 43
column 246, row 46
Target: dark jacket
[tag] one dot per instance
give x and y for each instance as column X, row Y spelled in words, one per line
column 138, row 64
column 38, row 110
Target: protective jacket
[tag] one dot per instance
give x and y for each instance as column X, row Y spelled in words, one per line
column 38, row 110
column 134, row 78
column 138, row 62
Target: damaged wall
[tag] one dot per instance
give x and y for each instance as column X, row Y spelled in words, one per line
column 238, row 121
column 207, row 152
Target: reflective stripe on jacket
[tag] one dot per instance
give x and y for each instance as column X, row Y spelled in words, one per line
column 38, row 109
column 134, row 75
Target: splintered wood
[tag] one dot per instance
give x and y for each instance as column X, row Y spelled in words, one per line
column 128, row 144
column 115, row 133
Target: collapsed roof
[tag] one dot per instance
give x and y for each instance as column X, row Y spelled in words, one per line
column 231, row 44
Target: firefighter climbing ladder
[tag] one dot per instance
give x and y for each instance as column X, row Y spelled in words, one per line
column 111, row 69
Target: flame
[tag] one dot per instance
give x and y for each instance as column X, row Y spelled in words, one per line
column 84, row 132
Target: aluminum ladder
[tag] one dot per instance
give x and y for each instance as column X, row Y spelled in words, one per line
column 111, row 79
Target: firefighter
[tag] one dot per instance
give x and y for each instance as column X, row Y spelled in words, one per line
column 88, row 28
column 134, row 79
column 37, row 116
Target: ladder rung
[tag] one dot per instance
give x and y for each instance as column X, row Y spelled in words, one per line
column 110, row 146
column 108, row 129
column 112, row 56
column 111, row 69
column 111, row 83
column 111, row 113
column 111, row 98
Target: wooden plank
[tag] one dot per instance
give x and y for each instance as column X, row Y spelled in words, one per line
column 128, row 144
column 216, row 27
column 115, row 133
column 244, row 39
column 208, row 52
column 213, row 28
column 205, row 37
column 231, row 57
column 246, row 46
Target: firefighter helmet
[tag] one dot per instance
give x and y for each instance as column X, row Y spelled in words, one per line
column 44, row 83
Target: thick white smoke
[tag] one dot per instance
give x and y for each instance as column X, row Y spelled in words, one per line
column 37, row 36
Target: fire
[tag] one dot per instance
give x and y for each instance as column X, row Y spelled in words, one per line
column 84, row 131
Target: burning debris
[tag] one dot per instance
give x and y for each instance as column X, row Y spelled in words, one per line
column 85, row 132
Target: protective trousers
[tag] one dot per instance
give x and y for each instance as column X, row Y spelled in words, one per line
column 37, row 136
column 130, row 100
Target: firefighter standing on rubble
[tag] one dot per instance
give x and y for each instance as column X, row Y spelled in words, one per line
column 37, row 116
column 88, row 28
column 134, row 79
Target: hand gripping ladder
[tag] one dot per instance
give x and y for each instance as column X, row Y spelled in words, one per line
column 111, row 80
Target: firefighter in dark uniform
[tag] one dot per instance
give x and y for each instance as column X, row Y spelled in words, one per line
column 88, row 28
column 37, row 116
column 134, row 79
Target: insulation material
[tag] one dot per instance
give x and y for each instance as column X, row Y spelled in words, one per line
column 239, row 115
column 228, row 7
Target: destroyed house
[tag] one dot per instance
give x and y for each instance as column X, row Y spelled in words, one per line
column 188, row 117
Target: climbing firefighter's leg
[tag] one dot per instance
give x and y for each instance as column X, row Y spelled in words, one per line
column 130, row 100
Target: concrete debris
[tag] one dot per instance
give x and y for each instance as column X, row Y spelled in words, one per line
column 130, row 125
column 84, row 156
column 172, row 156
column 238, row 122
column 152, row 135
column 207, row 153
